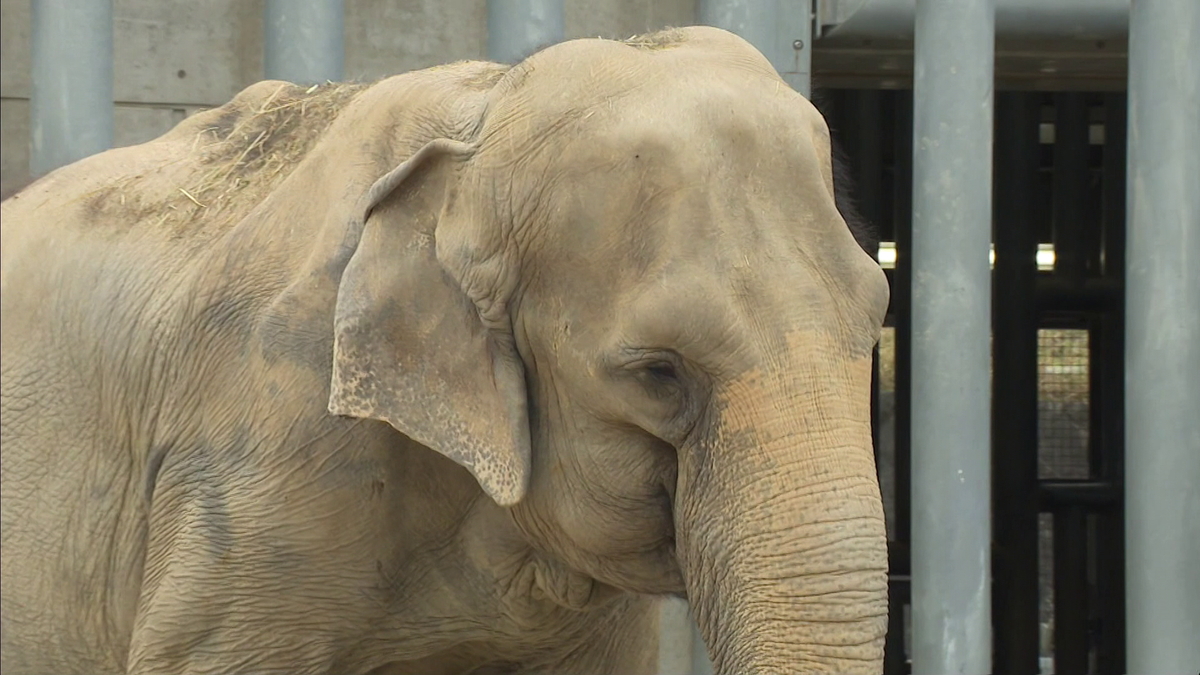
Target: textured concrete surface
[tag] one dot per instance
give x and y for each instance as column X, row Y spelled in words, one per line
column 174, row 57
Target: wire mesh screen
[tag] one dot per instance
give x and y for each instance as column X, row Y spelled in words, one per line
column 1063, row 428
column 1063, row 405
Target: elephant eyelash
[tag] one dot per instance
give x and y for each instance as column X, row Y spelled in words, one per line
column 660, row 375
column 661, row 372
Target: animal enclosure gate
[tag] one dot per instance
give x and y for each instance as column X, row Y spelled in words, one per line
column 1057, row 435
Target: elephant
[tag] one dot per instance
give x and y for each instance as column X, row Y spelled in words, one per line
column 464, row 370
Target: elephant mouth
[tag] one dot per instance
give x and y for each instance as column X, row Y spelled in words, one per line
column 653, row 568
column 669, row 506
column 667, row 546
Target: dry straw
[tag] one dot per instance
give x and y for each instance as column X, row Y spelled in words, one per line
column 252, row 146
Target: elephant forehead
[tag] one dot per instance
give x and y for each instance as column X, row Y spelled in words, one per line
column 650, row 202
column 610, row 94
column 761, row 233
column 690, row 115
column 598, row 70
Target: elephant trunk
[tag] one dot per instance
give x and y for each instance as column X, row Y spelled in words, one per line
column 781, row 535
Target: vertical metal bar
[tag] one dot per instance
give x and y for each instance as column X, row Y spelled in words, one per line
column 1070, row 179
column 895, row 659
column 303, row 41
column 1162, row 339
column 1069, row 184
column 1110, row 371
column 867, row 149
column 518, row 28
column 877, row 412
column 1014, row 383
column 71, row 102
column 868, row 155
column 780, row 29
column 1070, row 590
column 1044, row 185
column 902, row 302
column 900, row 556
column 1113, row 182
column 952, row 215
column 1093, row 230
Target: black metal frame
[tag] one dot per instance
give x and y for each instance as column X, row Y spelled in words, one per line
column 1073, row 194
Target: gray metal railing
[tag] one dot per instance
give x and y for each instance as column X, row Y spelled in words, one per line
column 517, row 28
column 71, row 101
column 951, row 328
column 1162, row 340
column 303, row 41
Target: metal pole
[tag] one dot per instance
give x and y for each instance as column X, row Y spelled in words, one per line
column 71, row 103
column 303, row 41
column 1162, row 332
column 847, row 20
column 518, row 28
column 951, row 321
column 780, row 29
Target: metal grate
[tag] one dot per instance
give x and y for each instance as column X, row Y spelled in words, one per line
column 1063, row 436
column 1063, row 403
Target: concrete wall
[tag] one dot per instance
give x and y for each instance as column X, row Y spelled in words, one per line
column 174, row 57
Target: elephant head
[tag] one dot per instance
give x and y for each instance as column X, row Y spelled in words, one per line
column 631, row 308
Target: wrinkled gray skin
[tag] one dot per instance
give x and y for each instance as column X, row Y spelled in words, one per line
column 598, row 334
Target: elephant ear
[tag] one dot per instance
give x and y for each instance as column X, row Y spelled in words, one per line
column 411, row 347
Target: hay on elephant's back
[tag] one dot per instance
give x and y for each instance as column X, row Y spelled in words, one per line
column 665, row 38
column 254, row 145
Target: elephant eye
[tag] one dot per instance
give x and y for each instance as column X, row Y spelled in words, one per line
column 662, row 370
